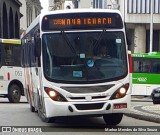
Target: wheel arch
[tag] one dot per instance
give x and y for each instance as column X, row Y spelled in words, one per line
column 19, row 83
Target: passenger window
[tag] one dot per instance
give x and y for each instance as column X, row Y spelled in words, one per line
column 156, row 68
column 0, row 56
column 141, row 66
column 8, row 56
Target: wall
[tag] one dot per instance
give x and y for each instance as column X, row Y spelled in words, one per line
column 9, row 18
column 30, row 10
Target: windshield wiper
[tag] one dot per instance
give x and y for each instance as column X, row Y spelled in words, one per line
column 68, row 42
column 100, row 36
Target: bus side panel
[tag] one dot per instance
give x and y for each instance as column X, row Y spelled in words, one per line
column 144, row 83
column 142, row 89
column 35, row 83
column 29, row 89
column 8, row 74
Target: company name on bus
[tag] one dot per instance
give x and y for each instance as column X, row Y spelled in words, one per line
column 142, row 79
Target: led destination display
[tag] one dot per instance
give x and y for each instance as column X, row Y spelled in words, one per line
column 82, row 21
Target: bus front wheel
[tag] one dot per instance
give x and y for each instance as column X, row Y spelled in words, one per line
column 113, row 119
column 14, row 93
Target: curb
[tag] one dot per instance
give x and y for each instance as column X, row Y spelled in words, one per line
column 143, row 115
column 140, row 100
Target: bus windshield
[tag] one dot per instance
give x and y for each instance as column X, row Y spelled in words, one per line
column 84, row 57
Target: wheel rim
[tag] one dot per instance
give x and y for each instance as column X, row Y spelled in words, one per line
column 15, row 94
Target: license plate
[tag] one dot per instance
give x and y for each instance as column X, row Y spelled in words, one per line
column 120, row 106
column 157, row 95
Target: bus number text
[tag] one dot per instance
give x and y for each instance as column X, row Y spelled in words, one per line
column 18, row 73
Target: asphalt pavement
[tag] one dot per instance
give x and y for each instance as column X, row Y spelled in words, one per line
column 148, row 112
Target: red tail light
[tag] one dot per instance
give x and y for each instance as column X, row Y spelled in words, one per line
column 130, row 62
column 8, row 76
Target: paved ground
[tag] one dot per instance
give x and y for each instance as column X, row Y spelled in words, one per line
column 148, row 113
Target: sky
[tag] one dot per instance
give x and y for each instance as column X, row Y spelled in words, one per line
column 44, row 4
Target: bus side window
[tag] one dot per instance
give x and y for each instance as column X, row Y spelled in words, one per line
column 23, row 53
column 9, row 55
column 27, row 54
column 136, row 66
column 0, row 56
column 146, row 68
column 156, row 68
column 17, row 56
column 32, row 53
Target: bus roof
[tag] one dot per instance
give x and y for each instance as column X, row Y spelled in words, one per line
column 10, row 41
column 87, row 10
column 146, row 55
column 84, row 10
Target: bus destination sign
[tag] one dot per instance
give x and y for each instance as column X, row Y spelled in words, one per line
column 81, row 21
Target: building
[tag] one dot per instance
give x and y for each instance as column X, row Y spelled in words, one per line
column 137, row 17
column 96, row 4
column 136, row 14
column 10, row 18
column 30, row 10
column 60, row 4
column 56, row 5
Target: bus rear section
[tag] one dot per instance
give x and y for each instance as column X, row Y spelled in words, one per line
column 145, row 77
column 78, row 65
column 11, row 72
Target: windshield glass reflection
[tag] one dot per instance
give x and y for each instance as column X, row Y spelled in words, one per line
column 84, row 56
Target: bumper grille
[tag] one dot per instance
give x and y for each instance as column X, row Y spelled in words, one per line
column 83, row 98
column 89, row 106
column 91, row 89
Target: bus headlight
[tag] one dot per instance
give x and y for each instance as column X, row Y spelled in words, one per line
column 120, row 92
column 54, row 95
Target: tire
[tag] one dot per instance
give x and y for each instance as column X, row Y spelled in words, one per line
column 156, row 102
column 113, row 119
column 14, row 93
column 32, row 109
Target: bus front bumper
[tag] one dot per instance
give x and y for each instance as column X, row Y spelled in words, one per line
column 58, row 109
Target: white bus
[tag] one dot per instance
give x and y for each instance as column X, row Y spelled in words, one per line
column 76, row 64
column 11, row 72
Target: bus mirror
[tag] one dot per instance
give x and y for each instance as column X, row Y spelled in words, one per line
column 38, row 47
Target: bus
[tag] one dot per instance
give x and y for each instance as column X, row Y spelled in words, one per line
column 67, row 71
column 11, row 72
column 146, row 70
